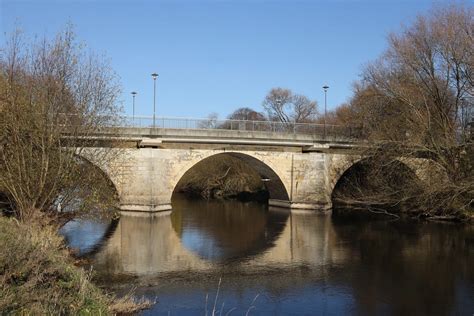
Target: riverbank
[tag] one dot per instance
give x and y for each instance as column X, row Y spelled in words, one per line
column 38, row 276
column 364, row 212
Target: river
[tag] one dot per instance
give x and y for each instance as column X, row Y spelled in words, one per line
column 235, row 257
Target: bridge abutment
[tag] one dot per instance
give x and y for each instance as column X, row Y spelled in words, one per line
column 150, row 208
column 292, row 205
column 301, row 205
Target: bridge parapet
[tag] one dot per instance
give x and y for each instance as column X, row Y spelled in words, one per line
column 241, row 128
column 232, row 130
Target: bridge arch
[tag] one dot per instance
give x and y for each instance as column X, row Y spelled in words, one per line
column 423, row 169
column 273, row 181
column 99, row 173
column 355, row 175
column 88, row 158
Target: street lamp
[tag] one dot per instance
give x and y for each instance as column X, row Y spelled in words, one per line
column 133, row 115
column 154, row 75
column 325, row 107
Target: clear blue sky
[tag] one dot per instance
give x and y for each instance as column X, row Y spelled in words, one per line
column 216, row 56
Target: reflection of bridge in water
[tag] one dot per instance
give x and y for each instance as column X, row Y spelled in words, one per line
column 158, row 244
column 288, row 254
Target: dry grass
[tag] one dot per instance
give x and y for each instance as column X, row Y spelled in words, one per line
column 37, row 276
column 129, row 305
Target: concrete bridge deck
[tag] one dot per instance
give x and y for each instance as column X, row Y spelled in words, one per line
column 156, row 137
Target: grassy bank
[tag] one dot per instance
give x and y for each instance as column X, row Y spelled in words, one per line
column 38, row 276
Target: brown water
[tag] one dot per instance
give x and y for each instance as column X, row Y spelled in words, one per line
column 274, row 262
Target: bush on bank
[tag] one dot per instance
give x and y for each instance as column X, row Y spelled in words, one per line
column 38, row 276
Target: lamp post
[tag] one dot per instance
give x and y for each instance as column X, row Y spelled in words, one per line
column 154, row 75
column 133, row 113
column 325, row 107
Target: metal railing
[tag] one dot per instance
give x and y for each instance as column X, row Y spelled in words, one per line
column 324, row 131
column 320, row 131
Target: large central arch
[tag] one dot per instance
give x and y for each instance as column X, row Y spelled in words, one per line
column 271, row 180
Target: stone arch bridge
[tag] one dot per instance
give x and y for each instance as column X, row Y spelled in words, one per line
column 300, row 171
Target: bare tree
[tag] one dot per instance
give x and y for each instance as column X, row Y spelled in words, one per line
column 53, row 97
column 284, row 106
column 246, row 114
column 210, row 122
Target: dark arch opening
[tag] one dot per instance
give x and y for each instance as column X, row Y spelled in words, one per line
column 232, row 175
column 94, row 190
column 373, row 189
column 7, row 205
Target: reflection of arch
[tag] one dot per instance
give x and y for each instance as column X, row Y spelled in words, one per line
column 273, row 183
column 102, row 241
column 226, row 231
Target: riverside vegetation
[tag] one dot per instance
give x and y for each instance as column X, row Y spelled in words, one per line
column 48, row 88
column 417, row 101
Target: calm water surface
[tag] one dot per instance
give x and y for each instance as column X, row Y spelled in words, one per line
column 274, row 262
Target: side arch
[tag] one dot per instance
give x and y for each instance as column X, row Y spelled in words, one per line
column 404, row 174
column 425, row 170
column 272, row 181
column 103, row 172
